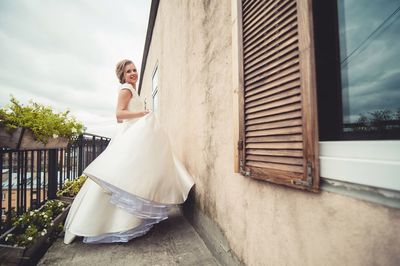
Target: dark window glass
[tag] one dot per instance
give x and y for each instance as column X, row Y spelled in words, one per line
column 357, row 52
column 369, row 41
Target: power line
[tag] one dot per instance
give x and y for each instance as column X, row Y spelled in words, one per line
column 346, row 60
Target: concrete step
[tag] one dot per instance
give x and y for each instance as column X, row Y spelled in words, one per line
column 171, row 242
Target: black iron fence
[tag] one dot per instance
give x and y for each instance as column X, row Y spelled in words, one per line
column 30, row 177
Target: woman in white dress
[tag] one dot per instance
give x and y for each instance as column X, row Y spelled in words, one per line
column 135, row 181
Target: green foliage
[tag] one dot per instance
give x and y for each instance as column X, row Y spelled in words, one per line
column 43, row 122
column 72, row 187
column 378, row 121
column 33, row 224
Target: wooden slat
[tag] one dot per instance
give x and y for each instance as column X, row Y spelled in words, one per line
column 283, row 167
column 266, row 73
column 275, row 159
column 278, row 145
column 287, row 138
column 264, row 100
column 269, row 15
column 280, row 124
column 275, row 86
column 272, row 63
column 286, row 101
column 270, row 41
column 254, row 10
column 283, row 75
column 278, row 131
column 249, row 18
column 250, row 6
column 271, row 53
column 280, row 110
column 273, row 26
column 273, row 118
column 256, row 47
column 288, row 153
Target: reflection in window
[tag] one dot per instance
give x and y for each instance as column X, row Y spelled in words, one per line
column 154, row 91
column 369, row 36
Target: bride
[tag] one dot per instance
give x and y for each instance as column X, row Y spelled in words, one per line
column 134, row 182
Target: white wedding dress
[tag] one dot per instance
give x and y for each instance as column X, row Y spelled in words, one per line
column 132, row 184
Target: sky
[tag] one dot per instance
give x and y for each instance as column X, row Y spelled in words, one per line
column 370, row 52
column 63, row 54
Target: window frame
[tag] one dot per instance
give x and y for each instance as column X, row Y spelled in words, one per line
column 154, row 89
column 370, row 163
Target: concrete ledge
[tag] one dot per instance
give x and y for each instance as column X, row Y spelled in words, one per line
column 211, row 234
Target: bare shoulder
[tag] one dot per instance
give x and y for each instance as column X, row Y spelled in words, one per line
column 125, row 92
column 128, row 87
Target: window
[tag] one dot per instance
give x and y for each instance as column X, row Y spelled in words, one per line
column 154, row 90
column 320, row 92
column 359, row 91
column 278, row 138
column 363, row 100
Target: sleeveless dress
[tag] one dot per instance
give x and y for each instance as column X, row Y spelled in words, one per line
column 131, row 185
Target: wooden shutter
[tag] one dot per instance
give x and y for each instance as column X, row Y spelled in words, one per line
column 278, row 117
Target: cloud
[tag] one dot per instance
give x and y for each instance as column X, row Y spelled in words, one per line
column 372, row 76
column 63, row 54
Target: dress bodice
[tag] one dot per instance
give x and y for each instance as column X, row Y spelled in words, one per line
column 135, row 103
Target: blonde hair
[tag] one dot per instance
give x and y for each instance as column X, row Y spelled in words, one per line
column 119, row 69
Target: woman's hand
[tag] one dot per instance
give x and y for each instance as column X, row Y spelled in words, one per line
column 145, row 112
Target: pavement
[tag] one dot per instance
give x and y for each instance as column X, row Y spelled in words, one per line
column 171, row 242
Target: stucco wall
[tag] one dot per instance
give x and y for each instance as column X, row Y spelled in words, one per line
column 194, row 45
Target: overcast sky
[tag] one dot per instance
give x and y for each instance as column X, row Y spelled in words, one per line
column 63, row 54
column 371, row 75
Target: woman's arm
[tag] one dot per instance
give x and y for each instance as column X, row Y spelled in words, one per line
column 122, row 111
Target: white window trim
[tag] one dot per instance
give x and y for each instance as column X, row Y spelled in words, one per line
column 370, row 163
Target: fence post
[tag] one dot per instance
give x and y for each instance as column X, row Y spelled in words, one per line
column 52, row 175
column 80, row 158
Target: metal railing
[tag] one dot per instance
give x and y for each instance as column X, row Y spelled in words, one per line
column 30, row 177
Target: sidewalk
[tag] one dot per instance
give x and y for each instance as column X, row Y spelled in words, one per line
column 171, row 242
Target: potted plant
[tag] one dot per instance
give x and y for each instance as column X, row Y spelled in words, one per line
column 71, row 188
column 36, row 126
column 31, row 231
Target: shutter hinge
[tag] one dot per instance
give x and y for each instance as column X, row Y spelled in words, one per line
column 243, row 171
column 309, row 180
column 240, row 145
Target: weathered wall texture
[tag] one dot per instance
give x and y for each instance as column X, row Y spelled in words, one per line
column 194, row 45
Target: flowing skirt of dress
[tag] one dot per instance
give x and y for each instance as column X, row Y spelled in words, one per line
column 132, row 185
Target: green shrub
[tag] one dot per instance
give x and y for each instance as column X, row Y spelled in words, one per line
column 33, row 224
column 72, row 187
column 43, row 122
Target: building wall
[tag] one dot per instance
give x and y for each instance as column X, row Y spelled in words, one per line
column 194, row 44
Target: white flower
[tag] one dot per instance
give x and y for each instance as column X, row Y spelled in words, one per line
column 74, row 130
column 31, row 213
column 43, row 233
column 63, row 209
column 55, row 136
column 8, row 111
column 30, row 238
column 51, row 224
column 9, row 235
column 6, row 238
column 60, row 204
